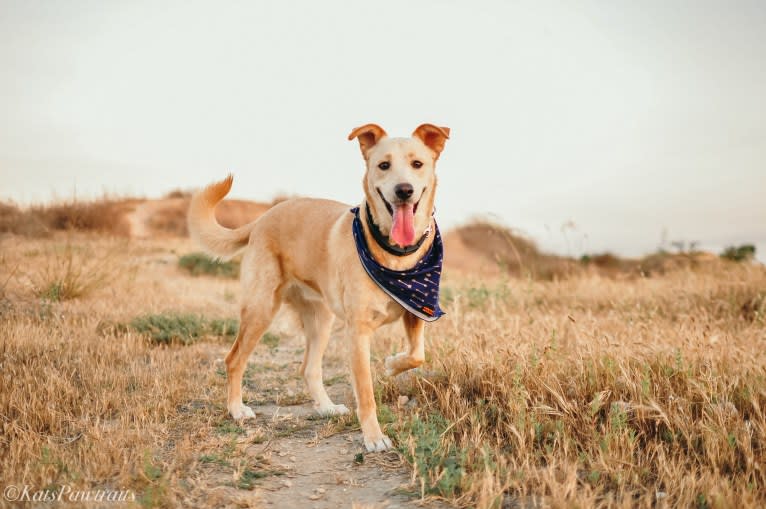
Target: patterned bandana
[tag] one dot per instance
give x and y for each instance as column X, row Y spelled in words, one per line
column 416, row 289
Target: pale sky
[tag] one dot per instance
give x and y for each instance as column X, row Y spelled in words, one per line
column 625, row 119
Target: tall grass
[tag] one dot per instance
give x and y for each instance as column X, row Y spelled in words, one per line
column 594, row 393
column 74, row 271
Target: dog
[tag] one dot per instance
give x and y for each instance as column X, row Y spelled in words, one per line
column 302, row 252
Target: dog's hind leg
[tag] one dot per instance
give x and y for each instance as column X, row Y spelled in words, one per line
column 261, row 301
column 413, row 327
column 317, row 324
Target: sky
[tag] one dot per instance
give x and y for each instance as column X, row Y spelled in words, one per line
column 588, row 126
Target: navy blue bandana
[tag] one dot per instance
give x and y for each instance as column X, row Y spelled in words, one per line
column 416, row 289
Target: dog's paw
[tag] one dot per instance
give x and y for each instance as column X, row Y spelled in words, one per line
column 241, row 411
column 391, row 364
column 377, row 444
column 333, row 410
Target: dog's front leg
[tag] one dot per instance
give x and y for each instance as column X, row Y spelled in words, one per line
column 413, row 327
column 366, row 409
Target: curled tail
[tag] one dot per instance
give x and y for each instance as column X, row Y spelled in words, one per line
column 204, row 228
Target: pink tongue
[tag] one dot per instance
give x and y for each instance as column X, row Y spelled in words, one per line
column 403, row 230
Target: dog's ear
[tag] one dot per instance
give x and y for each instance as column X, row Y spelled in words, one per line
column 368, row 135
column 432, row 137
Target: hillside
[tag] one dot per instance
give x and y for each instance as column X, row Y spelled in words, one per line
column 478, row 248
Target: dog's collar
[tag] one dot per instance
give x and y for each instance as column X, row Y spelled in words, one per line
column 382, row 240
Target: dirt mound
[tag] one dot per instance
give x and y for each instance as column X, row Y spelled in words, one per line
column 104, row 215
column 127, row 217
column 485, row 249
column 167, row 216
column 655, row 264
column 488, row 249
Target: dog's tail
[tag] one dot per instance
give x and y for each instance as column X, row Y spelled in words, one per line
column 204, row 228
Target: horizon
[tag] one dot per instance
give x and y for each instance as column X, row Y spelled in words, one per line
column 599, row 127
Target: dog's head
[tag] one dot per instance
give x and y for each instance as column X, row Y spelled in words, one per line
column 400, row 180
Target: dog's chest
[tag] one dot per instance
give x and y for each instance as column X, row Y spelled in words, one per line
column 380, row 309
column 387, row 312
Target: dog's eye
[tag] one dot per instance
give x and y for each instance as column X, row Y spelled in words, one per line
column 384, row 165
column 416, row 164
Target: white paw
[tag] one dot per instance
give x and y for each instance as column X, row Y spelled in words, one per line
column 241, row 411
column 378, row 444
column 333, row 410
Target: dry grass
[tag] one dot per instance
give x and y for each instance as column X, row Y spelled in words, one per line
column 593, row 392
column 111, row 215
column 586, row 392
column 104, row 215
column 68, row 272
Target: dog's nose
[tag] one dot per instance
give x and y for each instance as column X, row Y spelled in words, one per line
column 403, row 191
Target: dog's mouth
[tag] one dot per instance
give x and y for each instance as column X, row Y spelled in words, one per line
column 390, row 208
column 403, row 223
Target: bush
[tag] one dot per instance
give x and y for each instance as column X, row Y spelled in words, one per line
column 202, row 264
column 742, row 253
column 166, row 328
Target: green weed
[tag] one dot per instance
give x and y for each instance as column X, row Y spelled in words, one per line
column 198, row 264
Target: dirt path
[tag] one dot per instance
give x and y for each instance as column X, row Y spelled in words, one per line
column 139, row 218
column 290, row 457
column 323, row 473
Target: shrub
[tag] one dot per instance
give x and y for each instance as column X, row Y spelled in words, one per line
column 742, row 253
column 166, row 328
column 202, row 264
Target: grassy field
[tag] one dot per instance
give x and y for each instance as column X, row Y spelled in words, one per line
column 587, row 391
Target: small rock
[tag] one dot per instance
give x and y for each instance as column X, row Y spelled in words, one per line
column 660, row 495
column 402, row 400
column 321, row 491
column 282, row 454
column 623, row 406
column 315, row 497
column 287, row 483
column 727, row 408
column 292, row 458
